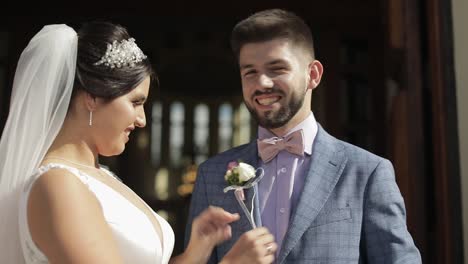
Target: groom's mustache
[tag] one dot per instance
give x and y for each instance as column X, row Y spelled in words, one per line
column 268, row 91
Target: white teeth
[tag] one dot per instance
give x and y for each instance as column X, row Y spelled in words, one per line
column 268, row 101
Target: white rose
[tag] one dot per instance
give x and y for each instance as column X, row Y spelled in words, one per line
column 228, row 173
column 246, row 172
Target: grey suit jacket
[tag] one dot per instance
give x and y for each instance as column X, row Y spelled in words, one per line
column 350, row 210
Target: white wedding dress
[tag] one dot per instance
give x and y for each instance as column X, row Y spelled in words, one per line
column 134, row 232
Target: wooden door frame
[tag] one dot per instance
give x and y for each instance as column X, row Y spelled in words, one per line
column 421, row 61
column 445, row 145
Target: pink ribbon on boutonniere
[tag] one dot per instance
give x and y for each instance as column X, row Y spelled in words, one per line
column 240, row 193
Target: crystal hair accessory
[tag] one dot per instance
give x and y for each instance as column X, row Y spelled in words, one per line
column 121, row 54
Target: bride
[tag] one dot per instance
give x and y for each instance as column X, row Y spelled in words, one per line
column 76, row 96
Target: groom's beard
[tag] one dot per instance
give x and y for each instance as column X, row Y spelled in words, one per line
column 277, row 118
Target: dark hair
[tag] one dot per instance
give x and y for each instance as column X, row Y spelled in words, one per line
column 272, row 24
column 101, row 80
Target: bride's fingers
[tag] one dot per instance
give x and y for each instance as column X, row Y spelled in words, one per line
column 265, row 239
column 213, row 225
column 268, row 258
column 213, row 232
column 258, row 232
column 222, row 234
column 218, row 216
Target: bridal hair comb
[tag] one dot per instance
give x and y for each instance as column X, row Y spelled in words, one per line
column 125, row 53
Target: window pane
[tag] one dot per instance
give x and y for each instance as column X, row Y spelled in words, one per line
column 241, row 125
column 201, row 132
column 225, row 127
column 176, row 136
column 156, row 133
column 161, row 184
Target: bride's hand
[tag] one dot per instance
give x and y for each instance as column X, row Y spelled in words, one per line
column 209, row 229
column 212, row 227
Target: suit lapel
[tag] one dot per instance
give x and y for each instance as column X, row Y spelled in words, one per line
column 327, row 164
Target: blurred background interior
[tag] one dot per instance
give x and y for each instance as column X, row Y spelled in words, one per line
column 394, row 80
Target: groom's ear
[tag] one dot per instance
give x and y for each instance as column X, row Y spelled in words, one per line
column 315, row 72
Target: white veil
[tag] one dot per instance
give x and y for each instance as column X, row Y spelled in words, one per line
column 40, row 97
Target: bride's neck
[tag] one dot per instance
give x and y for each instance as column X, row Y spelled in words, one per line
column 71, row 144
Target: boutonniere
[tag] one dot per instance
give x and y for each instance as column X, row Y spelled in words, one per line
column 239, row 176
column 238, row 173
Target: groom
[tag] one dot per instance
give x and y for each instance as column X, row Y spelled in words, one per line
column 324, row 200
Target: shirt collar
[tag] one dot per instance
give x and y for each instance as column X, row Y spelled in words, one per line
column 309, row 127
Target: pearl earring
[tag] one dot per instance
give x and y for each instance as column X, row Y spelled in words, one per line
column 90, row 118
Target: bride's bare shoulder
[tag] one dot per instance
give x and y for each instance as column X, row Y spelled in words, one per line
column 66, row 221
column 57, row 183
column 57, row 194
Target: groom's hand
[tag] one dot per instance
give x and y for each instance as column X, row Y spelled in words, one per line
column 255, row 246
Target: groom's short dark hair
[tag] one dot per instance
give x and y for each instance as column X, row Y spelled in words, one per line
column 272, row 24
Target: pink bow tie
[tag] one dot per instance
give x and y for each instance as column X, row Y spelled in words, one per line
column 270, row 147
